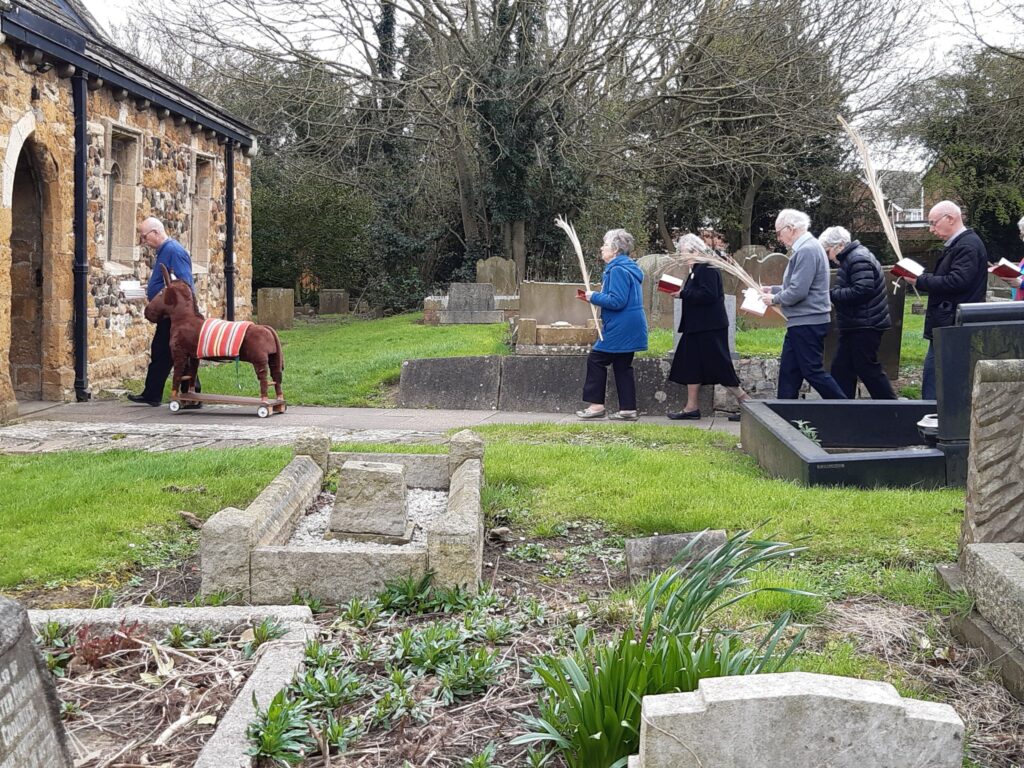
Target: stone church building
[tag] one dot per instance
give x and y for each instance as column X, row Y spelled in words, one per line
column 92, row 141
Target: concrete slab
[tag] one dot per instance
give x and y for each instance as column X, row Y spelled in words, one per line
column 994, row 577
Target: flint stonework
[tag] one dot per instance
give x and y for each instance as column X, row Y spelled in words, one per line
column 995, row 494
column 31, row 734
column 371, row 499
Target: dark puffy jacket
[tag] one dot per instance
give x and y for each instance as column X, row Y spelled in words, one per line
column 859, row 292
column 960, row 277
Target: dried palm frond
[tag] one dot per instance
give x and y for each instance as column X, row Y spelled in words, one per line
column 876, row 192
column 570, row 231
column 725, row 264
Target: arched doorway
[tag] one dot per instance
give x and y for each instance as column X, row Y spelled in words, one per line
column 27, row 275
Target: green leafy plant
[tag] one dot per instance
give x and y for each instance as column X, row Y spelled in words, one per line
column 279, row 733
column 331, row 690
column 808, row 430
column 531, row 552
column 467, row 674
column 590, row 704
column 102, row 599
column 267, row 630
column 483, row 760
column 362, row 613
column 341, row 733
column 315, row 604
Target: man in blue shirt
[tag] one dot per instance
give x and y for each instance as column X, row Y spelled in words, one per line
column 172, row 255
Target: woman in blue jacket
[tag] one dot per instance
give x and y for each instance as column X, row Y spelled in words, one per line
column 623, row 325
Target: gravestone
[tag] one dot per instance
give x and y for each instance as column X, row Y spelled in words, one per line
column 659, row 305
column 995, row 495
column 549, row 303
column 470, row 303
column 333, row 301
column 654, row 554
column 889, row 349
column 499, row 272
column 807, row 720
column 994, row 577
column 370, row 503
column 276, row 307
column 31, row 734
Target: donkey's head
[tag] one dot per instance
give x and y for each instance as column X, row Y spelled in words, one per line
column 173, row 301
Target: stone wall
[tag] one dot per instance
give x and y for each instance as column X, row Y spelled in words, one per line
column 139, row 165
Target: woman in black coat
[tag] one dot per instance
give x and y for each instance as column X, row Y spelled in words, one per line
column 702, row 356
column 862, row 315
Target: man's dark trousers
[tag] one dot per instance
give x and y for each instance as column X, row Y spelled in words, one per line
column 160, row 363
column 802, row 354
column 857, row 355
column 597, row 378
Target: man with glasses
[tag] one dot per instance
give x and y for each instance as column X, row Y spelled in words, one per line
column 960, row 277
column 805, row 302
column 172, row 255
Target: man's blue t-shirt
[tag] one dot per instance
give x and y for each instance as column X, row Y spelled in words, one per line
column 178, row 263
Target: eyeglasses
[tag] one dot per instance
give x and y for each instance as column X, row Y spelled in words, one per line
column 780, row 231
column 146, row 234
column 933, row 222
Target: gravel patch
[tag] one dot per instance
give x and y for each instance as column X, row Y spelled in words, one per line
column 423, row 505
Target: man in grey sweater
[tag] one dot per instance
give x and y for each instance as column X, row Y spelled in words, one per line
column 803, row 297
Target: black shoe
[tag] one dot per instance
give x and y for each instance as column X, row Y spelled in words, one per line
column 142, row 400
column 677, row 415
column 734, row 416
column 191, row 406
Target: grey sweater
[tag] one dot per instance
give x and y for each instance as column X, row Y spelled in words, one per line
column 803, row 294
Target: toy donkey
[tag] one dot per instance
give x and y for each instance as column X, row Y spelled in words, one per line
column 193, row 338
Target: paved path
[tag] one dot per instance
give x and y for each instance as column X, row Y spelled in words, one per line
column 105, row 424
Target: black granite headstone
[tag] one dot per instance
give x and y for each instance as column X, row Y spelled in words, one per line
column 31, row 734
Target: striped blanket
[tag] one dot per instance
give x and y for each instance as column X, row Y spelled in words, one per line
column 221, row 338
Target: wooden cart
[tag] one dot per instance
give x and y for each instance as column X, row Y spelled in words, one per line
column 264, row 408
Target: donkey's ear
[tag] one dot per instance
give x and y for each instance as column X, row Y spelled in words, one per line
column 167, row 276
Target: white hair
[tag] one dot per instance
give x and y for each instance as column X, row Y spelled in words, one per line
column 790, row 217
column 691, row 243
column 620, row 240
column 1020, row 224
column 834, row 236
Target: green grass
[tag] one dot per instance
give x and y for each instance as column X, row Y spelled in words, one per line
column 643, row 479
column 348, row 362
column 71, row 515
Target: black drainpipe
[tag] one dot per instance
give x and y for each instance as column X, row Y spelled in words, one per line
column 81, row 230
column 229, row 231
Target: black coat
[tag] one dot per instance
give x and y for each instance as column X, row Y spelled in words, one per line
column 859, row 292
column 960, row 277
column 703, row 301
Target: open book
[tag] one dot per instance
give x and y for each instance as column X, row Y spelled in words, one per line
column 1005, row 268
column 669, row 284
column 752, row 303
column 907, row 268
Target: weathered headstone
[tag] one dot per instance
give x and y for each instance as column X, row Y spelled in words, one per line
column 813, row 721
column 995, row 495
column 333, row 301
column 471, row 303
column 553, row 302
column 730, row 314
column 276, row 307
column 499, row 272
column 657, row 553
column 31, row 734
column 370, row 502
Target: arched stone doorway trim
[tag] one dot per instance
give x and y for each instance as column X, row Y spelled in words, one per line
column 24, row 128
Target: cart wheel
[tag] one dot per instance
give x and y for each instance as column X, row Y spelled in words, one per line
column 174, row 405
column 263, row 411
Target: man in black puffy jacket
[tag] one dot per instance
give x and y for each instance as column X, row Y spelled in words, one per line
column 862, row 315
column 960, row 277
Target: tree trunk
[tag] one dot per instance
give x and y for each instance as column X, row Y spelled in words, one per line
column 467, row 200
column 747, row 214
column 666, row 236
column 519, row 247
column 506, row 240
